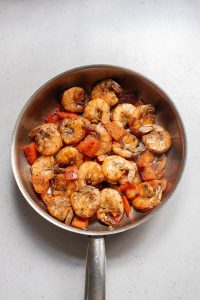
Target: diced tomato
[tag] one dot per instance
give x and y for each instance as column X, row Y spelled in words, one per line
column 139, row 103
column 31, row 152
column 89, row 146
column 127, row 206
column 123, row 187
column 71, row 173
column 148, row 173
column 52, row 117
column 79, row 222
column 130, row 189
column 64, row 114
column 115, row 130
column 144, row 159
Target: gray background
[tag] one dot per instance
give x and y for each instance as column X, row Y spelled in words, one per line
column 161, row 39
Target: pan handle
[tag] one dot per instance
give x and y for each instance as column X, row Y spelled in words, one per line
column 95, row 269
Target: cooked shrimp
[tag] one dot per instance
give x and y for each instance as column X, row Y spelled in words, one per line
column 69, row 156
column 90, row 172
column 97, row 110
column 158, row 140
column 40, row 184
column 47, row 138
column 72, row 131
column 101, row 158
column 44, row 166
column 59, row 182
column 86, row 201
column 73, row 99
column 118, row 170
column 141, row 117
column 158, row 165
column 128, row 147
column 107, row 90
column 137, row 179
column 70, row 215
column 97, row 151
column 111, row 208
column 145, row 190
column 34, row 131
column 146, row 203
column 104, row 138
column 156, row 182
column 123, row 113
column 58, row 205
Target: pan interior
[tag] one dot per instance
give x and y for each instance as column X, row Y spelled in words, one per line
column 48, row 97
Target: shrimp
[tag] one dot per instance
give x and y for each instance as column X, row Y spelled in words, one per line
column 72, row 131
column 44, row 167
column 137, row 179
column 151, row 167
column 123, row 113
column 145, row 190
column 118, row 170
column 97, row 110
column 42, row 172
column 144, row 203
column 158, row 140
column 40, row 184
column 104, row 138
column 59, row 206
column 162, row 182
column 69, row 156
column 86, row 201
column 70, row 215
column 111, row 208
column 90, row 172
column 47, row 138
column 158, row 165
column 107, row 90
column 59, row 183
column 142, row 116
column 73, row 99
column 101, row 158
column 128, row 147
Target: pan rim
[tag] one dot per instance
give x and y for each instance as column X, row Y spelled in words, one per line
column 49, row 218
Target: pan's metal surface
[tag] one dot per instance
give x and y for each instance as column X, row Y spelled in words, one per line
column 48, row 96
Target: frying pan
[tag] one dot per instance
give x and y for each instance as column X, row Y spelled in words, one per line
column 48, row 97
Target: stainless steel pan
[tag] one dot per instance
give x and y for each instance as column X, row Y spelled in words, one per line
column 40, row 104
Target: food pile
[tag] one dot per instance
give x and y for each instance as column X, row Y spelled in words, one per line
column 98, row 156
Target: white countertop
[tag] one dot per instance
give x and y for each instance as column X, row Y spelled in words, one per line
column 39, row 39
